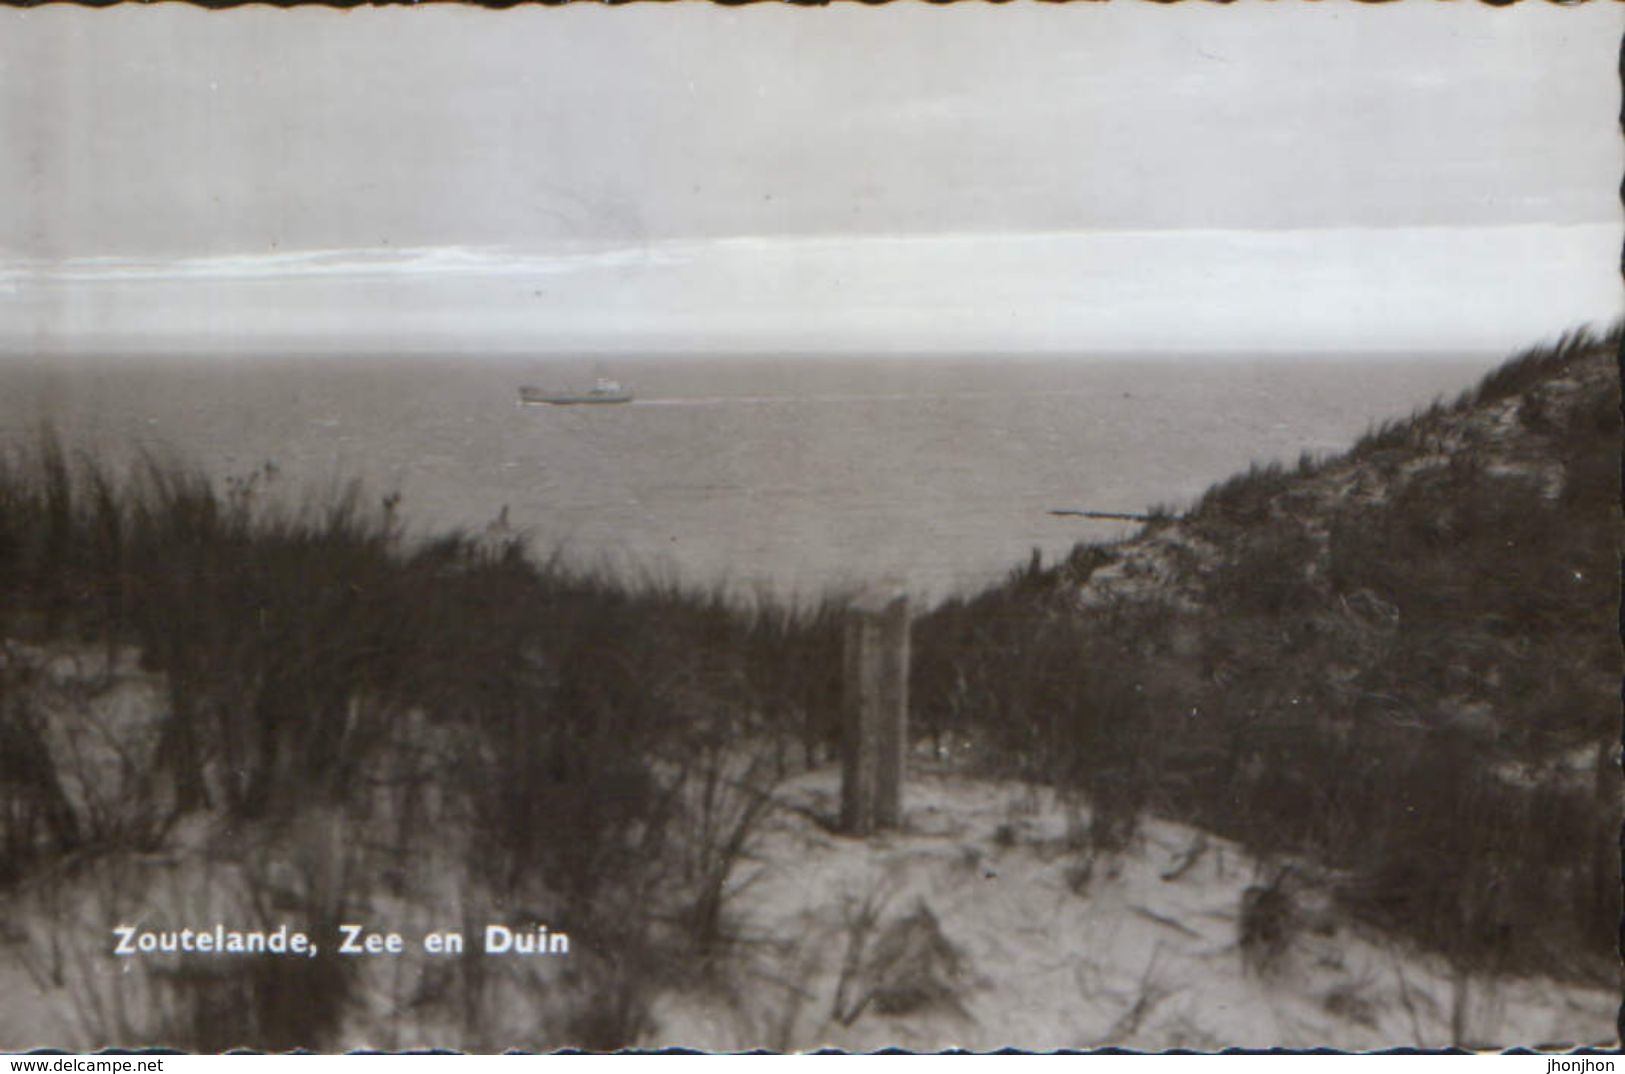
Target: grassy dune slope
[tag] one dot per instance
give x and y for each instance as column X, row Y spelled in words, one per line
column 200, row 686
column 1401, row 663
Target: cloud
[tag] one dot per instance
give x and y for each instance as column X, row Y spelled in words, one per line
column 367, row 263
column 1346, row 290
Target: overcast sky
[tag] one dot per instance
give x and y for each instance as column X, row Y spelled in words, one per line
column 1068, row 179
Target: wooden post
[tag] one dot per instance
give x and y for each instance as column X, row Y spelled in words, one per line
column 874, row 732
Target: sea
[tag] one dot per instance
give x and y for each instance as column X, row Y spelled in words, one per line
column 778, row 475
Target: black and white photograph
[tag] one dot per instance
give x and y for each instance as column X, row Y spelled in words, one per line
column 623, row 527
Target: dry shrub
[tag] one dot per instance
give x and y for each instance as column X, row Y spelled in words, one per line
column 1269, row 923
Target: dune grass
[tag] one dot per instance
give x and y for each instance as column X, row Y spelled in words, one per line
column 576, row 735
column 1419, row 694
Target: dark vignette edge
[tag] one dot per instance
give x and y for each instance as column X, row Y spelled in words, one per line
column 502, row 5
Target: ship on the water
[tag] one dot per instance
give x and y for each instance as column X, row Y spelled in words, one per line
column 603, row 391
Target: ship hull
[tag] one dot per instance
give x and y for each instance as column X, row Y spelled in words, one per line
column 532, row 397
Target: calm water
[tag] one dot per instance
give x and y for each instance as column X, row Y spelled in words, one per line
column 790, row 474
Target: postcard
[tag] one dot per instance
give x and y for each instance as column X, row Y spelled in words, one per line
column 1036, row 526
